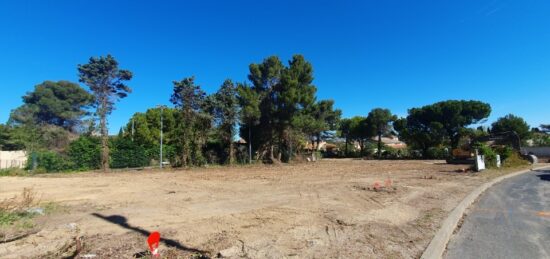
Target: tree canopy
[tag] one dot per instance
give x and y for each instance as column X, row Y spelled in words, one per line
column 441, row 122
column 61, row 103
column 380, row 121
column 107, row 83
column 513, row 123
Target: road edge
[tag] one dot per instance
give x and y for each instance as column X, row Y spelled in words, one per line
column 438, row 244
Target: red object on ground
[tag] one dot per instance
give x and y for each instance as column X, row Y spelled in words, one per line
column 153, row 241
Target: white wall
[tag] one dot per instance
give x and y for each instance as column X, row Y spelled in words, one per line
column 10, row 159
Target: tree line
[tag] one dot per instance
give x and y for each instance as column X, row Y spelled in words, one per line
column 275, row 112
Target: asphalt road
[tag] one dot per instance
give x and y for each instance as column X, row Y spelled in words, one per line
column 510, row 220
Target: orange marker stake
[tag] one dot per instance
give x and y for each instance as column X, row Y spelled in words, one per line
column 153, row 241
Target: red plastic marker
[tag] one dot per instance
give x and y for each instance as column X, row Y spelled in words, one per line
column 153, row 241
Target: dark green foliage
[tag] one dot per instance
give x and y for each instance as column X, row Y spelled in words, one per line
column 146, row 127
column 225, row 109
column 345, row 132
column 85, row 153
column 320, row 117
column 512, row 123
column 283, row 92
column 380, row 120
column 356, row 129
column 249, row 101
column 59, row 103
column 49, row 161
column 490, row 156
column 8, row 140
column 127, row 154
column 545, row 128
column 440, row 123
column 192, row 122
column 34, row 137
column 106, row 81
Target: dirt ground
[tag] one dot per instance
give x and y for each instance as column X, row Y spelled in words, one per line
column 326, row 209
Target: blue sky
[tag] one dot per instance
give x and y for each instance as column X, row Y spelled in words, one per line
column 366, row 54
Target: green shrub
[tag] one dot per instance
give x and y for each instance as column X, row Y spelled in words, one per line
column 126, row 154
column 85, row 153
column 489, row 154
column 437, row 153
column 13, row 172
column 49, row 161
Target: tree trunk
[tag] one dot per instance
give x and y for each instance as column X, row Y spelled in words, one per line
column 347, row 141
column 104, row 140
column 379, row 145
column 424, row 152
column 231, row 153
column 361, row 146
column 271, row 155
column 250, row 144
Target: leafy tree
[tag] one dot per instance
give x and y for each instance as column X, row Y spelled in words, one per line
column 192, row 121
column 326, row 116
column 7, row 139
column 144, row 130
column 345, row 132
column 265, row 77
column 225, row 109
column 61, row 103
column 380, row 121
column 249, row 101
column 106, row 81
column 360, row 131
column 545, row 128
column 284, row 92
column 441, row 122
column 419, row 132
column 513, row 123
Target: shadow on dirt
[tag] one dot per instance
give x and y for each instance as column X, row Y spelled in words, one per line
column 123, row 222
column 544, row 177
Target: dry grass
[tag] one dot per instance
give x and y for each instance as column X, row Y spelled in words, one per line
column 26, row 200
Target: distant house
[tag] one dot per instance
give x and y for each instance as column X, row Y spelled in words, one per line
column 391, row 141
column 13, row 159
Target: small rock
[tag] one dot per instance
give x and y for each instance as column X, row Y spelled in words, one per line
column 72, row 226
column 230, row 252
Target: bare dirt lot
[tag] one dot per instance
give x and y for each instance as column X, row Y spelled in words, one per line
column 326, row 209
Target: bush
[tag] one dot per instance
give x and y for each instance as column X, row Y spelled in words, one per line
column 49, row 161
column 13, row 172
column 437, row 153
column 514, row 160
column 127, row 154
column 489, row 154
column 85, row 153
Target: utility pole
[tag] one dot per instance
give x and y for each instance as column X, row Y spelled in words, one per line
column 132, row 129
column 161, row 129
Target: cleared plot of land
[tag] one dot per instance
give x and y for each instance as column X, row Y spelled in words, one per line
column 323, row 209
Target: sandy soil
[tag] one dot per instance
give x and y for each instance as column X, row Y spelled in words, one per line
column 316, row 210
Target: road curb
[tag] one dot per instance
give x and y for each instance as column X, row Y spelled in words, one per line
column 437, row 246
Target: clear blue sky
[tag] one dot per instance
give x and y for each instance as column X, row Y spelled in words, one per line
column 366, row 54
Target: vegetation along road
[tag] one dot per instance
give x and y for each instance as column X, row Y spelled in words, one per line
column 511, row 220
